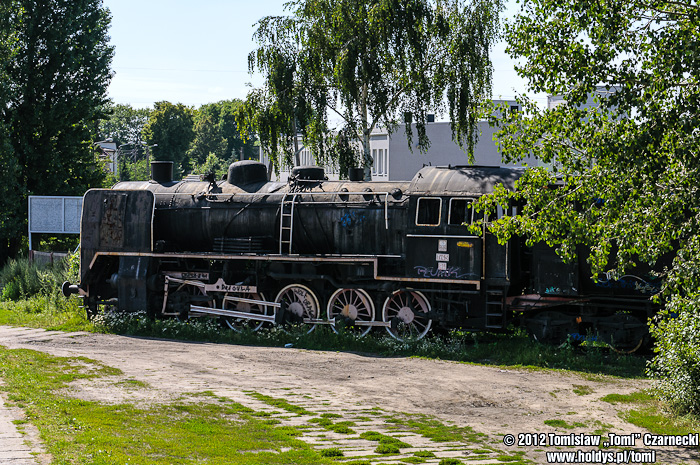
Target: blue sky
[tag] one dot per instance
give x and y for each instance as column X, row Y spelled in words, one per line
column 195, row 52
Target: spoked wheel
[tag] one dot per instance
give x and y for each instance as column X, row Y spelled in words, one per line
column 239, row 324
column 300, row 302
column 624, row 333
column 351, row 305
column 407, row 311
column 197, row 296
column 551, row 327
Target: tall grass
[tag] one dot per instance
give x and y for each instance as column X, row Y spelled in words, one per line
column 30, row 295
column 22, row 279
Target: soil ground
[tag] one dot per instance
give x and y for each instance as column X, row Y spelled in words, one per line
column 491, row 400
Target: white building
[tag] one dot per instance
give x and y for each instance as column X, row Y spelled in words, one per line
column 108, row 152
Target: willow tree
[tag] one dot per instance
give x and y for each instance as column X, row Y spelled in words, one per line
column 337, row 69
column 630, row 162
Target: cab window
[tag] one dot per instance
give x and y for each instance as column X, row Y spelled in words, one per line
column 429, row 211
column 460, row 212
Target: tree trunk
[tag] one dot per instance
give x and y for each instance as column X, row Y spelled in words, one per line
column 366, row 155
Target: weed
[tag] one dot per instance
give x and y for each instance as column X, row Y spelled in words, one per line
column 582, row 390
column 387, row 449
column 562, row 424
column 451, row 461
column 332, row 452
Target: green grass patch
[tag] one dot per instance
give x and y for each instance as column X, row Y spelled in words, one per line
column 332, row 452
column 279, row 403
column 582, row 390
column 203, row 429
column 413, row 460
column 435, row 430
column 387, row 449
column 451, row 461
column 647, row 412
column 563, row 424
column 635, row 397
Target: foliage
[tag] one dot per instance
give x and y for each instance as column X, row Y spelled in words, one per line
column 22, row 279
column 171, row 127
column 213, row 164
column 56, row 78
column 367, row 63
column 677, row 361
column 139, row 170
column 124, row 125
column 627, row 172
column 216, row 132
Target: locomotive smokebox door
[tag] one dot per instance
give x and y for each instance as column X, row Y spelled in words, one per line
column 115, row 221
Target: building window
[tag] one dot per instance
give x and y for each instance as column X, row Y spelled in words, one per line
column 428, row 211
column 380, row 162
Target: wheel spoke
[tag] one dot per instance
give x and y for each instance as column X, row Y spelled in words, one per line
column 410, row 308
column 301, row 302
column 356, row 299
column 238, row 324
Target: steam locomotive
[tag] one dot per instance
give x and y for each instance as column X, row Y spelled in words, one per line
column 350, row 254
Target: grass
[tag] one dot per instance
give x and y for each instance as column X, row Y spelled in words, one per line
column 434, row 429
column 563, row 424
column 279, row 403
column 513, row 349
column 76, row 431
column 645, row 411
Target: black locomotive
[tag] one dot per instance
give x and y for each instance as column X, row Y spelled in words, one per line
column 355, row 254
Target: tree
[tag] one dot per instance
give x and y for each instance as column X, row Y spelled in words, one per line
column 629, row 164
column 368, row 63
column 170, row 129
column 56, row 78
column 124, row 124
column 216, row 132
column 11, row 225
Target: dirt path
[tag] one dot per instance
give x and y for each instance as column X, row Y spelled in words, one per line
column 490, row 400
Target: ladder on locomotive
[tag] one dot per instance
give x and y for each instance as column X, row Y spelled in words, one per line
column 287, row 222
column 495, row 308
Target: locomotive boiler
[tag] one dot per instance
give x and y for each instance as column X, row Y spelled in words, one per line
column 397, row 255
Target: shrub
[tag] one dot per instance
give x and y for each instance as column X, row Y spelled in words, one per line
column 22, row 279
column 676, row 364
